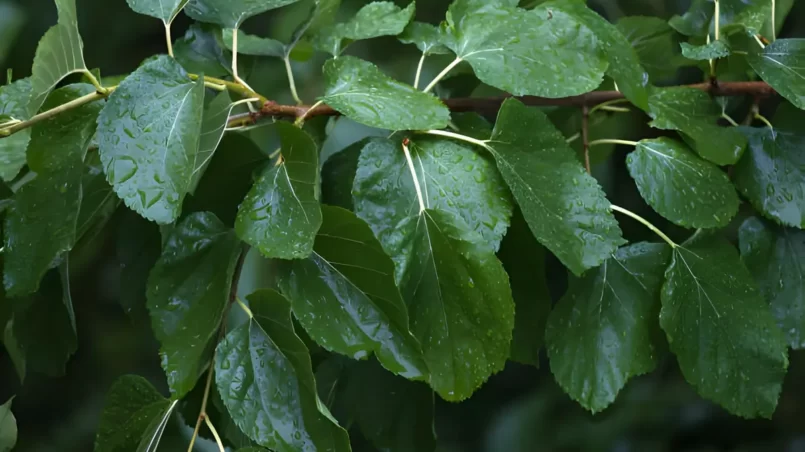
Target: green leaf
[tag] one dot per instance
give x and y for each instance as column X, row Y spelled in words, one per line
column 148, row 136
column 165, row 10
column 771, row 172
column 8, row 427
column 782, row 65
column 213, row 126
column 360, row 91
column 48, row 206
column 188, row 291
column 453, row 178
column 656, row 44
column 736, row 15
column 199, row 51
column 322, row 14
column 98, row 200
column 60, row 53
column 775, row 256
column 338, row 175
column 345, row 297
column 254, row 45
column 604, row 330
column 132, row 410
column 720, row 328
column 524, row 261
column 459, row 302
column 265, row 379
column 564, row 206
column 696, row 20
column 230, row 13
column 281, row 214
column 624, row 64
column 14, row 100
column 712, row 51
column 427, row 38
column 683, row 188
column 371, row 21
column 506, row 46
column 693, row 113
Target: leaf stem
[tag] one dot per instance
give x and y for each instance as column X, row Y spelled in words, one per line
column 612, row 141
column 245, row 308
column 763, row 119
column 608, row 104
column 645, row 222
column 243, row 90
column 419, row 70
column 729, row 119
column 443, row 74
column 773, row 20
column 203, row 411
column 759, row 42
column 45, row 115
column 168, row 39
column 413, row 175
column 301, row 119
column 458, row 136
column 585, row 137
column 718, row 19
column 217, row 437
column 291, row 81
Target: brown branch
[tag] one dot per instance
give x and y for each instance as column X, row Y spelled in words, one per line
column 492, row 104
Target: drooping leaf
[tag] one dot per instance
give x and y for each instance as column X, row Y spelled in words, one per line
column 696, row 20
column 230, row 13
column 338, row 175
column 359, row 90
column 345, row 297
column 712, row 51
column 524, row 261
column 148, row 138
column 322, row 14
column 427, row 38
column 680, row 186
column 782, row 65
column 281, row 214
column 720, row 328
column 380, row 18
column 771, row 172
column 507, row 46
column 254, row 45
column 188, row 291
column 8, row 427
column 459, row 302
column 132, row 408
column 48, row 206
column 14, row 100
column 563, row 205
column 59, row 53
column 775, row 256
column 265, row 378
column 604, row 330
column 200, row 52
column 165, row 10
column 656, row 44
column 453, row 178
column 624, row 64
column 213, row 126
column 693, row 113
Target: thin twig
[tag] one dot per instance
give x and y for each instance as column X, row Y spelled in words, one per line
column 45, row 115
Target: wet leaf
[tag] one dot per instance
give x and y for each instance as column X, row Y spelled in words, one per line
column 281, row 214
column 604, row 330
column 712, row 51
column 345, row 297
column 371, row 21
column 683, row 188
column 360, row 91
column 720, row 328
column 564, row 206
column 427, row 38
column 8, row 427
column 200, row 52
column 165, row 10
column 14, row 100
column 213, row 125
column 188, row 291
column 656, row 44
column 265, row 378
column 782, row 65
column 254, row 45
column 230, row 13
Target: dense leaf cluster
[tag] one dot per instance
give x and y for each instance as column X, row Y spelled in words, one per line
column 411, row 265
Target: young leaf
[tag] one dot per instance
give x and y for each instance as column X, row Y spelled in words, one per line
column 213, row 126
column 782, row 65
column 165, row 10
column 253, row 45
column 373, row 20
column 693, row 113
column 148, row 137
column 265, row 378
column 604, row 330
column 775, row 256
column 345, row 297
column 281, row 214
column 131, row 411
column 771, row 172
column 656, row 44
column 60, row 53
column 188, row 291
column 359, row 90
column 428, row 38
column 720, row 328
column 230, row 13
column 8, row 427
column 712, row 51
column 683, row 188
column 506, row 46
column 43, row 222
column 563, row 205
column 454, row 179
column 459, row 302
column 14, row 100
